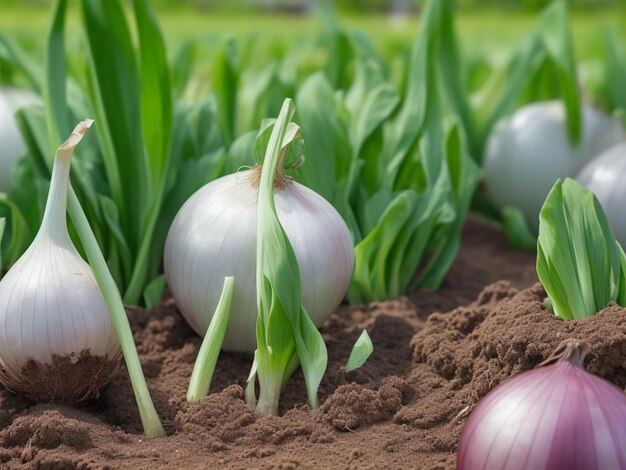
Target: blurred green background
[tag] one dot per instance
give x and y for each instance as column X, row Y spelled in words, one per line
column 390, row 23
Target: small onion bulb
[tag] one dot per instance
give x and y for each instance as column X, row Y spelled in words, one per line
column 11, row 99
column 214, row 236
column 554, row 417
column 528, row 151
column 57, row 341
column 605, row 176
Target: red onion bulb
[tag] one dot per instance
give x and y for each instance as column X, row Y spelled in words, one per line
column 553, row 417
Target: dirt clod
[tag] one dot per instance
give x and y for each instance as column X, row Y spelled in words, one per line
column 353, row 406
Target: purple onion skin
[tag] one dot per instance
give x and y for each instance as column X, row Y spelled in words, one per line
column 553, row 417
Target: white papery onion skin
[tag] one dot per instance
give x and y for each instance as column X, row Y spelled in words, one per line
column 605, row 175
column 214, row 236
column 50, row 304
column 551, row 418
column 527, row 152
column 11, row 142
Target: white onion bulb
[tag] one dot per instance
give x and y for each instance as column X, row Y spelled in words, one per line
column 605, row 176
column 57, row 340
column 214, row 236
column 527, row 152
column 12, row 145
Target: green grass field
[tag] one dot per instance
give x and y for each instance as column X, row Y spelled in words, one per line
column 489, row 31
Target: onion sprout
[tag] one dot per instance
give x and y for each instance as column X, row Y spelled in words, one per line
column 579, row 262
column 202, row 373
column 285, row 333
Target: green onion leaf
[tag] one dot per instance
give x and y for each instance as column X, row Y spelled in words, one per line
column 293, row 144
column 516, row 229
column 19, row 232
column 558, row 44
column 361, row 351
column 153, row 293
column 579, row 262
column 615, row 70
column 2, row 225
column 284, row 328
column 211, row 344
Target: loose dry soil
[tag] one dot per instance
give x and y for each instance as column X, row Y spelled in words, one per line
column 404, row 409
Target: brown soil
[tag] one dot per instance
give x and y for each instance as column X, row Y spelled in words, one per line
column 403, row 409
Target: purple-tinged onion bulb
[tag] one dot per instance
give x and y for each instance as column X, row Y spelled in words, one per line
column 556, row 416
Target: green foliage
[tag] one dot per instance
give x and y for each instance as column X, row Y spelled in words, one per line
column 613, row 90
column 18, row 229
column 516, row 229
column 284, row 328
column 542, row 67
column 204, row 366
column 3, row 222
column 399, row 177
column 579, row 262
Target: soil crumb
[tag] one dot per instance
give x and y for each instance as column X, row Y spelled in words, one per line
column 353, row 406
column 403, row 409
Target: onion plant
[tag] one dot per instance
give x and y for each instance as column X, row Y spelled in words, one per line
column 579, row 262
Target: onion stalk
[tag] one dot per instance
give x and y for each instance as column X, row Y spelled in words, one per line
column 204, row 367
column 285, row 333
column 149, row 418
column 556, row 416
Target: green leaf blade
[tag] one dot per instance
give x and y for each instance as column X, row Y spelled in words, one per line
column 156, row 98
column 204, row 366
column 362, row 350
column 282, row 320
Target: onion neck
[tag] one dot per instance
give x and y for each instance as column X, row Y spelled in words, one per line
column 572, row 351
column 54, row 224
column 281, row 181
